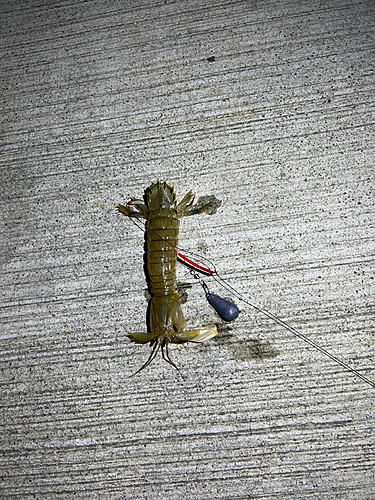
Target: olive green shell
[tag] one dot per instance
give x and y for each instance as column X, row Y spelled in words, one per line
column 162, row 238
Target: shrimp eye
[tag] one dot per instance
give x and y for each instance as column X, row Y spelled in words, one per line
column 176, row 328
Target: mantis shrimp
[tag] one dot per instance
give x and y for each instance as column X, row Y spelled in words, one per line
column 167, row 323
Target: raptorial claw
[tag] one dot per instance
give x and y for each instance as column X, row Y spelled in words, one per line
column 141, row 338
column 199, row 335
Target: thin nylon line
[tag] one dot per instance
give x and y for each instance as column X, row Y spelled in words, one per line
column 258, row 307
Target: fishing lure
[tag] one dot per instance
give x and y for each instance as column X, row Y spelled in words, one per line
column 167, row 323
column 166, row 319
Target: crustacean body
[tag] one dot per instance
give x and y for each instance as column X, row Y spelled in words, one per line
column 163, row 214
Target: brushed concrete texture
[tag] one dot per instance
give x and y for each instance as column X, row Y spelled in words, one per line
column 268, row 106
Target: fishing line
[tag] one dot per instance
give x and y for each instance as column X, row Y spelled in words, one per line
column 219, row 279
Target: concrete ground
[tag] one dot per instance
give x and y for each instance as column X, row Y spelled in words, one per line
column 269, row 107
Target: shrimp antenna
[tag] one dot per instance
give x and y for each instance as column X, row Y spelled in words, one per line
column 165, row 356
column 152, row 356
column 168, row 359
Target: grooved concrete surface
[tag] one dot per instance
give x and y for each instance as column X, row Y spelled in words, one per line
column 269, row 106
